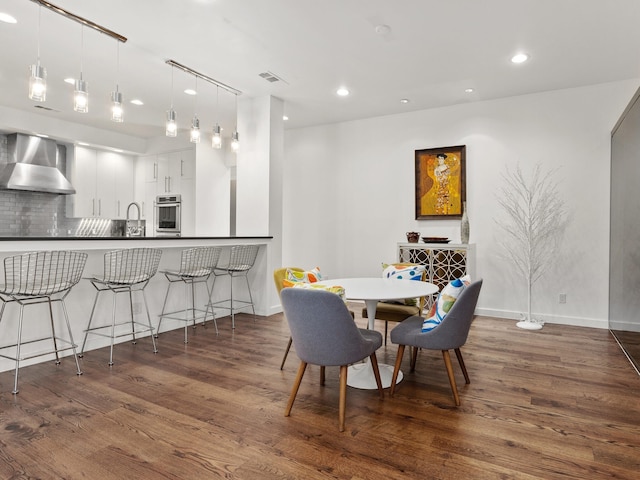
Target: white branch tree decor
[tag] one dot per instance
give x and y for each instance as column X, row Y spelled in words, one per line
column 535, row 218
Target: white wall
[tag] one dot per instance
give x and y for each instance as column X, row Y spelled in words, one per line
column 349, row 192
column 212, row 195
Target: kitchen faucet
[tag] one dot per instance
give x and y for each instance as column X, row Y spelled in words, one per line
column 131, row 230
column 132, row 204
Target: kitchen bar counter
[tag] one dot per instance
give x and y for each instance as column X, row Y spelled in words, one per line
column 71, row 237
column 80, row 300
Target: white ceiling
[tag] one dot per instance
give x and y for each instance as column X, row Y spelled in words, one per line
column 435, row 49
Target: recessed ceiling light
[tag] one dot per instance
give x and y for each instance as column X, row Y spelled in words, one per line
column 190, row 91
column 135, row 101
column 6, row 18
column 82, row 144
column 468, row 90
column 70, row 80
column 382, row 29
column 118, row 150
column 285, row 118
column 342, row 92
column 519, row 58
column 404, row 100
column 42, row 135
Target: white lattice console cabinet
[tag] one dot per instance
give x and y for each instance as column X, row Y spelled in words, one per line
column 444, row 261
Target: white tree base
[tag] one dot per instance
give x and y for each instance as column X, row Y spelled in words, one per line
column 527, row 325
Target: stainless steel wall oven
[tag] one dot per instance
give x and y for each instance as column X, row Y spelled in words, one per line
column 168, row 212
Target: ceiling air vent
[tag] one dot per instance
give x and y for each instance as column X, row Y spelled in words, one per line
column 42, row 107
column 271, row 77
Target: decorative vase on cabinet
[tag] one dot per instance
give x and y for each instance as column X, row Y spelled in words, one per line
column 464, row 225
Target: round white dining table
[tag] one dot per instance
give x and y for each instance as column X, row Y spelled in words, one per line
column 371, row 291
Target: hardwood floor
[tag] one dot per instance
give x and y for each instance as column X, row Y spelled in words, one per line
column 563, row 402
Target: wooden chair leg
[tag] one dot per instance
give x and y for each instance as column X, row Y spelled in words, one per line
column 322, row 374
column 414, row 358
column 396, row 369
column 452, row 380
column 286, row 352
column 386, row 330
column 376, row 374
column 296, row 386
column 462, row 366
column 343, row 396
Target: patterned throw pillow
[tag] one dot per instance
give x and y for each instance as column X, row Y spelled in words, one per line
column 292, row 277
column 445, row 301
column 338, row 290
column 404, row 271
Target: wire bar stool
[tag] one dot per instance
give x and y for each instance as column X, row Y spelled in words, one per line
column 40, row 277
column 241, row 260
column 196, row 266
column 125, row 271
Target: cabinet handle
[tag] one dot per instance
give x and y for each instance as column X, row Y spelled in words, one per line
column 99, row 207
column 155, row 171
column 118, row 207
column 93, row 207
column 181, row 168
column 143, row 214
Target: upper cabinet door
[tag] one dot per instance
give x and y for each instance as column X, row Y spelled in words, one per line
column 83, row 179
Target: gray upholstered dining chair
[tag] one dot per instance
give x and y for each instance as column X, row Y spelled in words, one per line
column 325, row 334
column 451, row 334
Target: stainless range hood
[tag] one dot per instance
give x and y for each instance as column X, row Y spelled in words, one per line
column 31, row 166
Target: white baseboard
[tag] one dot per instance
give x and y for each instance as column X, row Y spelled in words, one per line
column 561, row 320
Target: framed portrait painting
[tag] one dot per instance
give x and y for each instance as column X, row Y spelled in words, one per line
column 440, row 182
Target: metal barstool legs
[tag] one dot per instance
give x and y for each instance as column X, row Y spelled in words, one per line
column 241, row 261
column 125, row 271
column 196, row 266
column 39, row 277
column 113, row 325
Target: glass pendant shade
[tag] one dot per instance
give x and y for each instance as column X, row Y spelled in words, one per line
column 117, row 112
column 235, row 141
column 194, row 137
column 216, row 140
column 38, row 83
column 81, row 96
column 171, row 129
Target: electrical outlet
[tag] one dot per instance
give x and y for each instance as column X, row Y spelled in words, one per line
column 562, row 298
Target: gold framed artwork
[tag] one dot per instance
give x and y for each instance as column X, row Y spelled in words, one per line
column 440, row 182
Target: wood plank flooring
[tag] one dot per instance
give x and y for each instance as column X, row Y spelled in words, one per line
column 560, row 403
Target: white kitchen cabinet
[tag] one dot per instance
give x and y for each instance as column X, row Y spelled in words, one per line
column 103, row 183
column 168, row 170
column 83, row 179
column 124, row 191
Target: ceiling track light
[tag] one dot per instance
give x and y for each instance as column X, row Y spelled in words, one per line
column 80, row 20
column 194, row 136
column 117, row 112
column 38, row 74
column 80, row 93
column 171, row 127
column 235, row 136
column 204, row 77
column 216, row 139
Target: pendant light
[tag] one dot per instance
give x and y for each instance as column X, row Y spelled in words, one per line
column 171, row 128
column 117, row 113
column 216, row 140
column 194, row 136
column 81, row 94
column 38, row 74
column 235, row 137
